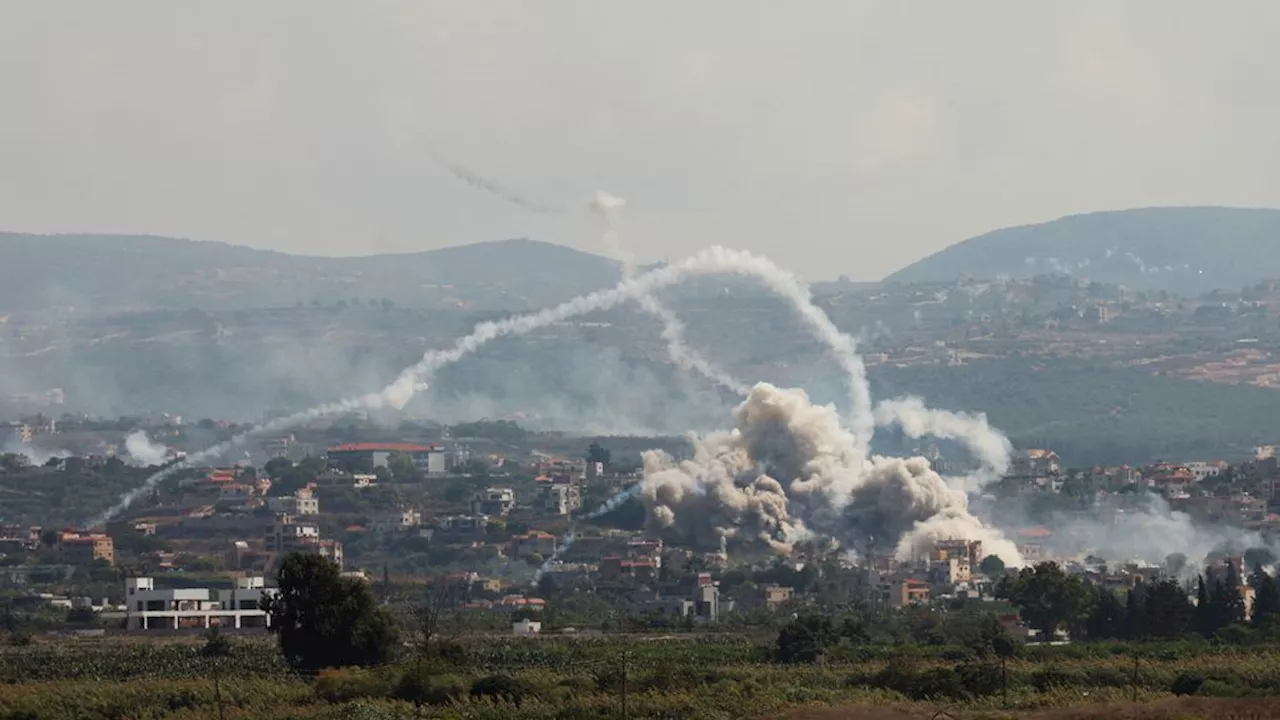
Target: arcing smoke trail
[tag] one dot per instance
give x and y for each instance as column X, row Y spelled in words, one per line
column 714, row 260
column 607, row 206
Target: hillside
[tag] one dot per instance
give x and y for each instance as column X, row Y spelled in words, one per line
column 117, row 272
column 1183, row 249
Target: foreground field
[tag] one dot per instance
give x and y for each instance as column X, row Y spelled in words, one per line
column 706, row 678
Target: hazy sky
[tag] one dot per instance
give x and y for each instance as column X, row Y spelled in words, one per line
column 838, row 137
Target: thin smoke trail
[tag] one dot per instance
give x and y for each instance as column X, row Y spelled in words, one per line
column 607, row 206
column 491, row 187
column 713, row 260
column 569, row 538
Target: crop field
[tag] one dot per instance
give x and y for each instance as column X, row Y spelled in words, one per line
column 606, row 678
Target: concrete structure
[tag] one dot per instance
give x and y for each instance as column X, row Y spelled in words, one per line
column 1036, row 463
column 525, row 628
column 561, row 498
column 531, row 543
column 79, row 548
column 398, row 520
column 905, row 593
column 285, row 535
column 494, row 501
column 772, row 596
column 16, row 433
column 428, row 459
column 147, row 608
column 302, row 502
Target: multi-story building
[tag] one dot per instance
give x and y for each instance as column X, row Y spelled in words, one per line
column 286, row 535
column 532, row 543
column 78, row 548
column 397, row 521
column 494, row 501
column 561, row 498
column 243, row 606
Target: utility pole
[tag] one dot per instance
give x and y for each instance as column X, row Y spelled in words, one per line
column 624, row 684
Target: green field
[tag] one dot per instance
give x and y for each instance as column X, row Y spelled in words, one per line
column 682, row 677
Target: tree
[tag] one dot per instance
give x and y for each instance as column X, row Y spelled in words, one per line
column 1266, row 600
column 1254, row 557
column 402, row 468
column 1167, row 612
column 1175, row 563
column 806, row 638
column 1046, row 597
column 1107, row 619
column 1226, row 600
column 1203, row 618
column 325, row 620
column 597, row 453
column 276, row 467
column 992, row 566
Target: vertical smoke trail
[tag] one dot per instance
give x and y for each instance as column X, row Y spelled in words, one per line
column 714, row 260
column 606, row 206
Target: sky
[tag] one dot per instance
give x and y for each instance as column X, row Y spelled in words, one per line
column 837, row 137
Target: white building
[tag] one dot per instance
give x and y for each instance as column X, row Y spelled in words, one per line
column 561, row 499
column 147, row 608
column 525, row 628
column 498, row 501
column 302, row 502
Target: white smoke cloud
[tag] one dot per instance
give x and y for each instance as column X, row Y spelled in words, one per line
column 143, row 451
column 988, row 445
column 788, row 470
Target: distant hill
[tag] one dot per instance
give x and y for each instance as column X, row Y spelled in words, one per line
column 1184, row 249
column 119, row 271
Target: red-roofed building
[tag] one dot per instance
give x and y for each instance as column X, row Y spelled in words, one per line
column 531, row 543
column 84, row 548
column 428, row 459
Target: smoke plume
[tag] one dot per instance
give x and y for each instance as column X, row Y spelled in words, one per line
column 987, row 445
column 789, row 470
column 143, row 451
column 491, row 187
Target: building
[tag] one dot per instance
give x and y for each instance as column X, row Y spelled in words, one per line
column 86, row 548
column 613, row 568
column 428, row 459
column 968, row 550
column 243, row 606
column 958, row 571
column 533, row 543
column 773, row 596
column 397, row 521
column 494, row 501
column 561, row 498
column 285, row 535
column 526, row 627
column 16, row 433
column 302, row 502
column 1036, row 463
column 1201, row 470
column 905, row 593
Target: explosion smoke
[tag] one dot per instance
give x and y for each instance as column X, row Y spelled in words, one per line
column 989, row 446
column 714, row 260
column 788, row 470
column 143, row 451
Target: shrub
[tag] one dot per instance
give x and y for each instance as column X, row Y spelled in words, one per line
column 502, row 686
column 1187, row 683
column 980, row 679
column 426, row 687
column 1051, row 678
column 345, row 684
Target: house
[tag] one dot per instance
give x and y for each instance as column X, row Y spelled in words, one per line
column 946, row 550
column 147, row 608
column 772, row 596
column 526, row 627
column 465, row 523
column 533, row 543
column 907, row 592
column 614, row 568
column 1036, row 463
column 396, row 521
column 78, row 548
column 560, row 498
column 285, row 535
column 302, row 502
column 1201, row 470
column 958, row 571
column 494, row 501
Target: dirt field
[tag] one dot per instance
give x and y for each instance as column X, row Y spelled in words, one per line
column 1178, row 709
